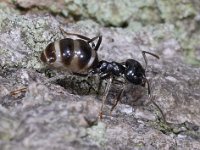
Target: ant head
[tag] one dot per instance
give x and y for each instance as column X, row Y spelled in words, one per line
column 134, row 72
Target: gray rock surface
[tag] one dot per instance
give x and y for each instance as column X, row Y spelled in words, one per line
column 45, row 115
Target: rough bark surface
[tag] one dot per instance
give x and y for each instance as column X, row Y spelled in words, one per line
column 63, row 114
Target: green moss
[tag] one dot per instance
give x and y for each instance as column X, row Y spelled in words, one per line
column 5, row 136
column 54, row 9
column 139, row 145
column 172, row 10
column 162, row 126
column 190, row 57
column 6, row 9
column 97, row 133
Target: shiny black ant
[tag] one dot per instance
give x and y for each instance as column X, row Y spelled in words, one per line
column 80, row 57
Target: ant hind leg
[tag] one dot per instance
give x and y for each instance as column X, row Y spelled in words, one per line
column 84, row 38
column 98, row 42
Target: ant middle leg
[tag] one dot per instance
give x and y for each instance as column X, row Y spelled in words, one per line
column 105, row 96
column 119, row 97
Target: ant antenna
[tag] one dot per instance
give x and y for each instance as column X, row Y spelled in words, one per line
column 145, row 58
column 146, row 63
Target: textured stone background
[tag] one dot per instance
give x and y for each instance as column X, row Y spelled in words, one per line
column 63, row 114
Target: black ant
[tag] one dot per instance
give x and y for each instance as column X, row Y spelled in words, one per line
column 80, row 57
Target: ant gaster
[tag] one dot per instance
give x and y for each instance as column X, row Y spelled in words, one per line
column 80, row 57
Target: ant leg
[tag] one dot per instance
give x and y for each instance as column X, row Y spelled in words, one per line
column 148, row 84
column 78, row 35
column 87, row 39
column 75, row 34
column 145, row 58
column 118, row 99
column 154, row 103
column 98, row 42
column 105, row 95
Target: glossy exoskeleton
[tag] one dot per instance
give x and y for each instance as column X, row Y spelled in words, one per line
column 80, row 56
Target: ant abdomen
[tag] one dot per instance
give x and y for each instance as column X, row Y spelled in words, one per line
column 73, row 55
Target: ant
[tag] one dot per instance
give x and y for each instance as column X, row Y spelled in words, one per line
column 79, row 56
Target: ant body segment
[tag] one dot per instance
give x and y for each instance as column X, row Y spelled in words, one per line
column 80, row 57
